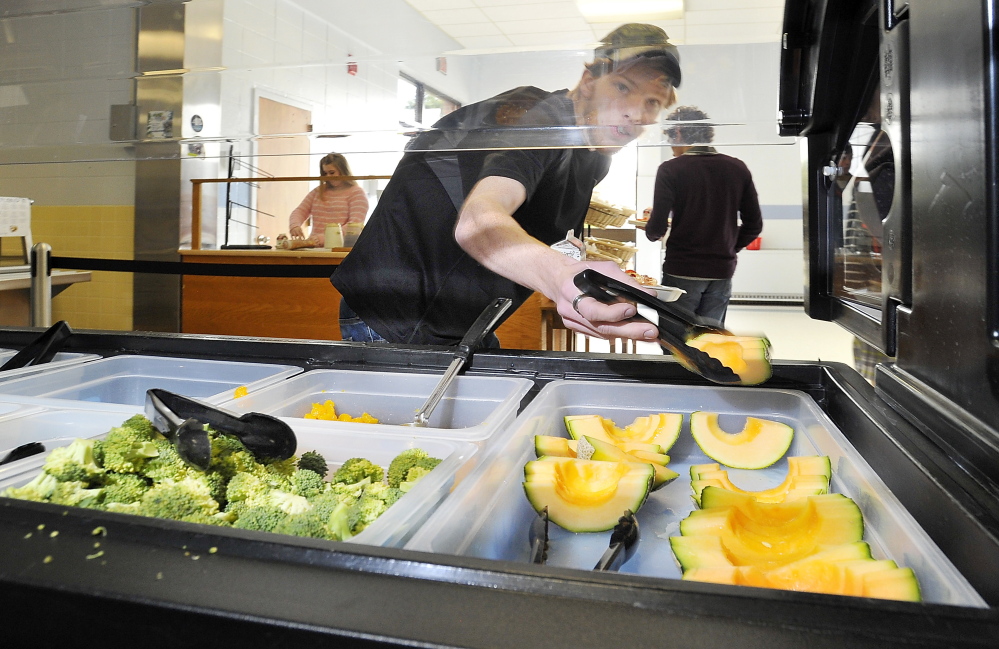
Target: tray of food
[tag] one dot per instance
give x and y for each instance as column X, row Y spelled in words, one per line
column 367, row 488
column 124, row 379
column 473, row 409
column 728, row 485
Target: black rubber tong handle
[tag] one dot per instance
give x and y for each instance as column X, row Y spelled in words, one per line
column 623, row 543
column 676, row 326
column 41, row 349
column 266, row 436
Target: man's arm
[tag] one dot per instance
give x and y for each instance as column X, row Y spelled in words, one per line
column 662, row 205
column 750, row 215
column 487, row 231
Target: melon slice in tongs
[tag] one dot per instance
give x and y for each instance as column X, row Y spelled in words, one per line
column 679, row 331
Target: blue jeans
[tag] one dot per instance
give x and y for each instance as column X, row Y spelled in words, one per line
column 353, row 329
column 705, row 297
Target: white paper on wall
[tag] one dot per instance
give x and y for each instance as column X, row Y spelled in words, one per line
column 15, row 217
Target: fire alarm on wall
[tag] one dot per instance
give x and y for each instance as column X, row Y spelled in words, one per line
column 351, row 67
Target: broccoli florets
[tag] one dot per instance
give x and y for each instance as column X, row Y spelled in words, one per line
column 263, row 518
column 39, row 489
column 414, row 457
column 176, row 500
column 356, row 469
column 75, row 493
column 127, row 449
column 308, row 483
column 74, row 462
column 124, row 488
column 313, row 461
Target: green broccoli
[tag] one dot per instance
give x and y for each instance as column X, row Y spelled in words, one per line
column 245, row 486
column 143, row 426
column 75, row 493
column 124, row 488
column 308, row 483
column 289, row 503
column 74, row 462
column 422, row 468
column 313, row 461
column 302, row 525
column 177, row 499
column 39, row 489
column 262, row 518
column 399, row 468
column 127, row 449
column 356, row 469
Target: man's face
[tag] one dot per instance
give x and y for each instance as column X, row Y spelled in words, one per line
column 618, row 105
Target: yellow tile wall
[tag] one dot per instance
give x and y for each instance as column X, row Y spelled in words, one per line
column 99, row 231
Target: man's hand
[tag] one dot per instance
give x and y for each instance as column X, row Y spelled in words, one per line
column 592, row 317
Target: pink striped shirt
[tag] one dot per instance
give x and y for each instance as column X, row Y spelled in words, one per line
column 340, row 205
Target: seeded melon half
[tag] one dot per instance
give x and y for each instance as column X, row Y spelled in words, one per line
column 586, row 495
column 759, row 444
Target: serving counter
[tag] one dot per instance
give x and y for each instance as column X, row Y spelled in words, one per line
column 129, row 580
column 290, row 307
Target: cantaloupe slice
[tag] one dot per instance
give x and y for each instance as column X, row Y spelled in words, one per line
column 771, row 535
column 607, row 452
column 759, row 444
column 747, row 356
column 806, row 476
column 561, row 447
column 661, row 428
column 586, row 495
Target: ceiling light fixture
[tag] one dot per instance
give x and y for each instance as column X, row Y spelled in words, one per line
column 604, row 11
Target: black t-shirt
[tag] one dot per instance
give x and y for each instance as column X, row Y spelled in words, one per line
column 406, row 277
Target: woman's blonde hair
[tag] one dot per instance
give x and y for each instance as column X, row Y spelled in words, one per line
column 338, row 161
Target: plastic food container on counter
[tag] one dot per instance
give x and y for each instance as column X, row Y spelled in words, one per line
column 391, row 529
column 474, row 408
column 24, row 420
column 488, row 514
column 125, row 379
column 60, row 360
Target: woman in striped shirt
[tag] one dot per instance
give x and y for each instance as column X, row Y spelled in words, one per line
column 333, row 201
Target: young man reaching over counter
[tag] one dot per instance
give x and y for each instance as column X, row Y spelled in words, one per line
column 474, row 205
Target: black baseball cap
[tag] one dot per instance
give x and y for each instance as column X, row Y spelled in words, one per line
column 641, row 40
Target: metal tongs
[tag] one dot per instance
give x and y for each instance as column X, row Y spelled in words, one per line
column 468, row 345
column 623, row 541
column 41, row 349
column 676, row 326
column 182, row 419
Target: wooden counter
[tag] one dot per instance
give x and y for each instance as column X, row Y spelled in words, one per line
column 283, row 307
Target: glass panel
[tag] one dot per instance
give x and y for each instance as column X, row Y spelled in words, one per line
column 863, row 196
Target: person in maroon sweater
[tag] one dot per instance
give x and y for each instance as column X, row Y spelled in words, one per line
column 708, row 203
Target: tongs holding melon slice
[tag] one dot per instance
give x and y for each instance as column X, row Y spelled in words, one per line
column 701, row 345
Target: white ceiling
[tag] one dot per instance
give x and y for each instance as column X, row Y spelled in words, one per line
column 534, row 24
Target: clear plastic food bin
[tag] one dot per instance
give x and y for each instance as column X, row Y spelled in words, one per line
column 125, row 379
column 473, row 409
column 488, row 515
column 391, row 529
column 60, row 360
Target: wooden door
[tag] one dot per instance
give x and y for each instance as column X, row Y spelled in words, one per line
column 281, row 156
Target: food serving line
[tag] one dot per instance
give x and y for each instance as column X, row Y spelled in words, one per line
column 453, row 567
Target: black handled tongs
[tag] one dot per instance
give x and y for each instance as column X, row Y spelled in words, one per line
column 623, row 542
column 676, row 326
column 182, row 419
column 41, row 349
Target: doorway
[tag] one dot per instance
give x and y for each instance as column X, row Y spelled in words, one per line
column 285, row 155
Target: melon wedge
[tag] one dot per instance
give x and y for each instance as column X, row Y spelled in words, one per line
column 806, row 476
column 759, row 444
column 561, row 447
column 661, row 428
column 586, row 495
column 771, row 535
column 607, row 452
column 747, row 356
